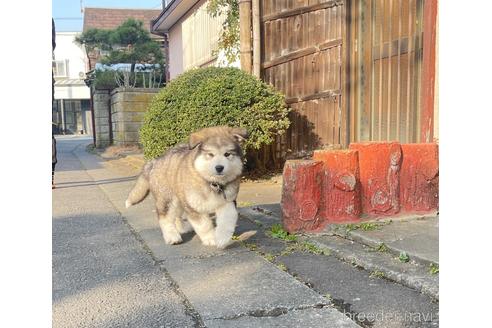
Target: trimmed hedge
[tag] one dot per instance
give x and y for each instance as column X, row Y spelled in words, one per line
column 213, row 96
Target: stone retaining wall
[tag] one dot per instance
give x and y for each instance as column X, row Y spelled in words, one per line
column 101, row 101
column 128, row 107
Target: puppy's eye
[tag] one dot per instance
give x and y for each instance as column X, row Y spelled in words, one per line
column 210, row 155
column 227, row 154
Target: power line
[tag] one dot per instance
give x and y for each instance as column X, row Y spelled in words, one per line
column 67, row 18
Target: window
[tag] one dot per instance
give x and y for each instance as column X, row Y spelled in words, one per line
column 60, row 68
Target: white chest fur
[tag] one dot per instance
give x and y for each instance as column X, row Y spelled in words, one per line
column 205, row 203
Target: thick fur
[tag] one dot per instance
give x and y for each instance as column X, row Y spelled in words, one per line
column 190, row 182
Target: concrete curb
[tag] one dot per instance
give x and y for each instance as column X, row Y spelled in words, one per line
column 413, row 274
column 417, row 278
column 374, row 243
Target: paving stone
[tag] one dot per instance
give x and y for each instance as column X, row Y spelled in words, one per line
column 305, row 318
column 371, row 301
column 239, row 284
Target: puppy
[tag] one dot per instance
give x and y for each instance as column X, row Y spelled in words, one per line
column 191, row 181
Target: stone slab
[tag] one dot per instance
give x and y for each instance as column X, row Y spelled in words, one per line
column 418, row 237
column 305, row 318
column 239, row 284
column 368, row 300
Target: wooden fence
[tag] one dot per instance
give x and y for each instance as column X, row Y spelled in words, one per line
column 351, row 70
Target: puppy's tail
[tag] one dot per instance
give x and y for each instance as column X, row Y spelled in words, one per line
column 139, row 192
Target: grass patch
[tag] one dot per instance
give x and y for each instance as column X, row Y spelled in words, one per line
column 251, row 246
column 289, row 249
column 433, row 268
column 377, row 274
column 269, row 257
column 382, row 248
column 277, row 231
column 365, row 226
column 314, row 249
column 282, row 266
column 404, row 257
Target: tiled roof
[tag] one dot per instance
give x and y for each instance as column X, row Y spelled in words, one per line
column 110, row 18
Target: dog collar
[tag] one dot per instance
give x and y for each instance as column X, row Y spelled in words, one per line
column 217, row 187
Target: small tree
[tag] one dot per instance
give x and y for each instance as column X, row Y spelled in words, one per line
column 129, row 44
column 229, row 37
column 213, row 96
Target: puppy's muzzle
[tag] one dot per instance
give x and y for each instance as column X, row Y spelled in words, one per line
column 219, row 168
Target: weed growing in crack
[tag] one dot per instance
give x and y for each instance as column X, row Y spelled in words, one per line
column 433, row 268
column 277, row 231
column 404, row 257
column 314, row 249
column 251, row 246
column 269, row 257
column 282, row 266
column 382, row 248
column 365, row 226
column 377, row 274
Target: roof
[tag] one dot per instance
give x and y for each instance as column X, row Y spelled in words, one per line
column 110, row 18
column 172, row 13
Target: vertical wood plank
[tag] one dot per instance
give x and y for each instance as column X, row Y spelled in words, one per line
column 380, row 85
column 428, row 71
column 390, row 39
column 398, row 84
column 367, row 42
column 411, row 20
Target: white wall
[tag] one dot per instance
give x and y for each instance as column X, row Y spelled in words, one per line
column 192, row 39
column 67, row 49
column 175, row 51
column 73, row 86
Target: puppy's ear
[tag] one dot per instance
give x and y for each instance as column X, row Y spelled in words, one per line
column 240, row 134
column 195, row 139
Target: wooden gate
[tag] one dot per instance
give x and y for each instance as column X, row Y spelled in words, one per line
column 302, row 48
column 386, row 42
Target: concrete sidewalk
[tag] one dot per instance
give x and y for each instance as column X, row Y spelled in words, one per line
column 377, row 246
column 214, row 288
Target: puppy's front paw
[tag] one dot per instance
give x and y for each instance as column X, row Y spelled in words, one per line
column 172, row 238
column 208, row 240
column 223, row 238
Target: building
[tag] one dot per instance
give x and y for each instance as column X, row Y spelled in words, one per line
column 351, row 71
column 192, row 35
column 111, row 18
column 71, row 110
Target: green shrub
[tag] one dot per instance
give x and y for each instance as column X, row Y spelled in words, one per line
column 213, row 96
column 105, row 79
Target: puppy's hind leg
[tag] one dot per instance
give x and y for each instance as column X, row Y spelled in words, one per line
column 167, row 214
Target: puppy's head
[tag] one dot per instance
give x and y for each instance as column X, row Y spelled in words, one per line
column 219, row 153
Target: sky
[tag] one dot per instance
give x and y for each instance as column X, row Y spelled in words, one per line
column 69, row 18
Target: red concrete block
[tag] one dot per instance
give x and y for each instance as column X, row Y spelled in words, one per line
column 379, row 165
column 419, row 178
column 341, row 185
column 301, row 195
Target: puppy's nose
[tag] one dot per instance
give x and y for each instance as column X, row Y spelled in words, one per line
column 219, row 168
